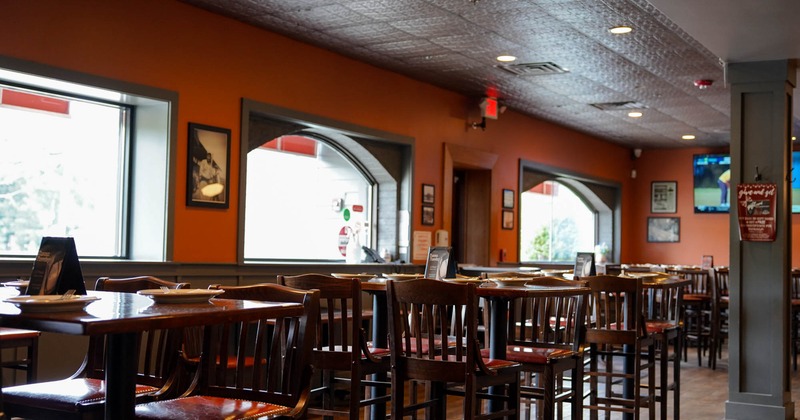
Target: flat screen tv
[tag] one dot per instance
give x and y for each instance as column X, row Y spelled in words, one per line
column 795, row 177
column 712, row 183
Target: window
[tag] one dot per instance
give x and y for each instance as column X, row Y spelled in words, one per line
column 555, row 224
column 308, row 181
column 74, row 149
column 302, row 196
column 563, row 213
column 62, row 172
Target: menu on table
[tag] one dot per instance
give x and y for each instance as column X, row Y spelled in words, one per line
column 56, row 268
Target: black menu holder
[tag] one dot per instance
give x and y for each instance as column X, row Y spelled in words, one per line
column 584, row 265
column 56, row 268
column 440, row 265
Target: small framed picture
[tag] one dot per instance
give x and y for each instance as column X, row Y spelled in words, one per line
column 427, row 215
column 663, row 229
column 508, row 199
column 663, row 197
column 428, row 194
column 208, row 166
column 508, row 219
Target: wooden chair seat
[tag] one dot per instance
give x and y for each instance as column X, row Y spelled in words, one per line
column 208, row 407
column 534, row 355
column 68, row 395
column 660, row 326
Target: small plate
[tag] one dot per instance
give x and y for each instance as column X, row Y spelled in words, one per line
column 475, row 280
column 18, row 284
column 510, row 281
column 639, row 275
column 397, row 276
column 362, row 276
column 51, row 303
column 553, row 271
column 180, row 295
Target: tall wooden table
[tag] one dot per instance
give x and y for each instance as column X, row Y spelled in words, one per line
column 120, row 316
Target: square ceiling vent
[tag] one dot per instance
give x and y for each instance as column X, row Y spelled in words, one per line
column 533, row 69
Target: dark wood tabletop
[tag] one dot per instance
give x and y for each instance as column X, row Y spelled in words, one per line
column 120, row 316
column 117, row 313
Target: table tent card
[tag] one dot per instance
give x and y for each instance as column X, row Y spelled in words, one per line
column 56, row 268
column 440, row 265
column 584, row 265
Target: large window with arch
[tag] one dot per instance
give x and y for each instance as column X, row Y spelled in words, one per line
column 311, row 189
column 305, row 201
column 562, row 214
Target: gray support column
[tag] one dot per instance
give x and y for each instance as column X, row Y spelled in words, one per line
column 761, row 110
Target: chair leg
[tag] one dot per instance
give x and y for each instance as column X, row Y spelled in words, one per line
column 577, row 391
column 355, row 395
column 664, row 376
column 676, row 377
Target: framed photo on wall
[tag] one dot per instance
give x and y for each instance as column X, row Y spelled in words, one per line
column 427, row 215
column 208, row 166
column 428, row 194
column 663, row 229
column 508, row 199
column 508, row 219
column 664, row 197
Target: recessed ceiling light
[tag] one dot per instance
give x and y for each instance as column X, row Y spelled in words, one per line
column 688, row 137
column 635, row 114
column 619, row 30
column 506, row 58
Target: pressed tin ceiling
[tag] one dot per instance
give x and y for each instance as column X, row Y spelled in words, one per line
column 570, row 70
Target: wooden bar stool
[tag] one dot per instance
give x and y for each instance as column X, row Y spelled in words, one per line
column 15, row 338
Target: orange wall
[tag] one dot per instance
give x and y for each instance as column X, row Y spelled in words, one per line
column 213, row 62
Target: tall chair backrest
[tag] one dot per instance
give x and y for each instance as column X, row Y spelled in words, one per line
column 663, row 304
column 617, row 316
column 159, row 349
column 700, row 283
column 552, row 320
column 720, row 286
column 426, row 313
column 340, row 306
column 269, row 360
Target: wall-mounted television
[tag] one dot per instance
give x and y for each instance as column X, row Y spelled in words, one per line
column 795, row 177
column 712, row 183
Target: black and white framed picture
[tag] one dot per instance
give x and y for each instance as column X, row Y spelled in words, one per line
column 663, row 229
column 427, row 215
column 664, row 197
column 208, row 166
column 508, row 199
column 428, row 194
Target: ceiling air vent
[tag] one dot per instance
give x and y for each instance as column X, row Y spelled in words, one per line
column 533, row 69
column 618, row 106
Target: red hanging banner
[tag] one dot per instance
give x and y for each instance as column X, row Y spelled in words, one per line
column 756, row 211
